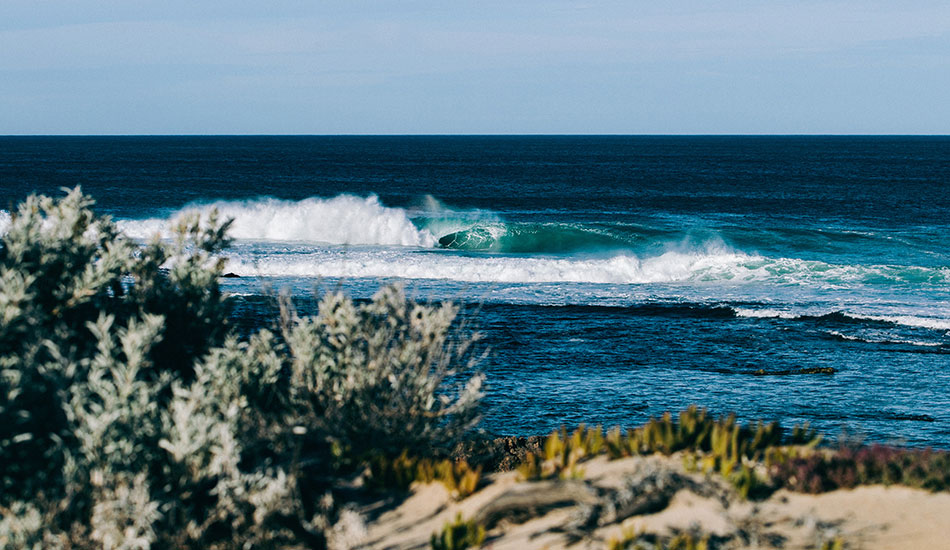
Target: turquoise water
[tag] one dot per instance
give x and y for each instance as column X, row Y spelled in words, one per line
column 613, row 277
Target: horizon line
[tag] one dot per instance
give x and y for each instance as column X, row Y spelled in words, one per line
column 539, row 134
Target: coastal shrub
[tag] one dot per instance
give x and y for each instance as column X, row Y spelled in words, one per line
column 130, row 417
column 63, row 273
column 375, row 377
column 748, row 483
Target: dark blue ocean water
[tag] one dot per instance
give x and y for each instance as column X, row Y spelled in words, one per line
column 614, row 278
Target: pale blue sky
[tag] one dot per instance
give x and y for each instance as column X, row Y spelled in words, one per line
column 328, row 67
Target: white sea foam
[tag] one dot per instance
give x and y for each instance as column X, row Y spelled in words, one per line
column 710, row 262
column 908, row 320
column 4, row 221
column 624, row 268
column 764, row 313
column 344, row 219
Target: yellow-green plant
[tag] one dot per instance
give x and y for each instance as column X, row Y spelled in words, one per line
column 746, row 481
column 458, row 535
column 563, row 452
column 532, row 468
column 734, row 450
column 400, row 472
column 663, row 435
column 718, row 445
column 633, row 539
column 458, row 477
column 685, row 541
column 694, row 430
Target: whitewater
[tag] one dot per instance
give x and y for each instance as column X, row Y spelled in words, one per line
column 351, row 236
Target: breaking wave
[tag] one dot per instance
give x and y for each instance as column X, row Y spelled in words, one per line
column 345, row 219
column 348, row 219
column 283, row 238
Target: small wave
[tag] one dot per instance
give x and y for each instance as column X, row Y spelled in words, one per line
column 909, row 320
column 345, row 219
column 845, row 317
column 914, row 321
column 683, row 310
column 852, row 338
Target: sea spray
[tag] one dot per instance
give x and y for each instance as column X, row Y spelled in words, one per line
column 344, row 219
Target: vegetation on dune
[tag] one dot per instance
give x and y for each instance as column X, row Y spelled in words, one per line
column 631, row 539
column 756, row 459
column 130, row 417
column 399, row 473
column 850, row 467
column 713, row 445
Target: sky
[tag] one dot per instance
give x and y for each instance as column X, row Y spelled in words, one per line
column 463, row 67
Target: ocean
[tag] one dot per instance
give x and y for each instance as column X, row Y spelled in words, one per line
column 799, row 279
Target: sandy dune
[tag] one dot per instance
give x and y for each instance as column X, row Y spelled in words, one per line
column 657, row 495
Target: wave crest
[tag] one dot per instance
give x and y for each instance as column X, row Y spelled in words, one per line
column 344, row 219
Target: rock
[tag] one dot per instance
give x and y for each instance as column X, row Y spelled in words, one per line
column 499, row 454
column 788, row 372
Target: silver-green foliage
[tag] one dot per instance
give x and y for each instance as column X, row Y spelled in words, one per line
column 130, row 418
column 61, row 269
column 371, row 376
